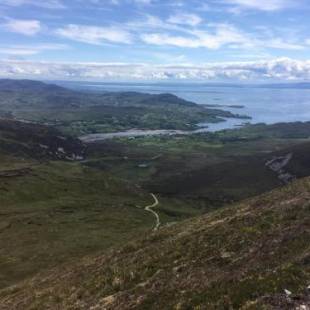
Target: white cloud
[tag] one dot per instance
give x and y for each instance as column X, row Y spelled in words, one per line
column 221, row 35
column 26, row 27
column 143, row 1
column 214, row 36
column 278, row 69
column 104, row 2
column 119, row 2
column 28, row 50
column 263, row 5
column 155, row 31
column 279, row 43
column 95, row 35
column 185, row 19
column 48, row 4
column 166, row 39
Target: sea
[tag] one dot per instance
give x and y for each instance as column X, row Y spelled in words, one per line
column 267, row 104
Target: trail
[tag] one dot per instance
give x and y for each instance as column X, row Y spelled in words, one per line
column 149, row 208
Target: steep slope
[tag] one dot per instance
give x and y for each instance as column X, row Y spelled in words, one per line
column 241, row 257
column 54, row 209
column 299, row 165
column 214, row 168
column 234, row 177
column 22, row 139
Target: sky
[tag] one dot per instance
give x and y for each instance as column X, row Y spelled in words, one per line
column 203, row 40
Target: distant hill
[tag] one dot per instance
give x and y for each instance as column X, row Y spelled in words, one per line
column 28, row 85
column 254, row 255
column 79, row 113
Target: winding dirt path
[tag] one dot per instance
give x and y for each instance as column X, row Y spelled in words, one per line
column 149, row 208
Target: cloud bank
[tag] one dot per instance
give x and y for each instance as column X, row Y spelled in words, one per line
column 283, row 69
column 94, row 35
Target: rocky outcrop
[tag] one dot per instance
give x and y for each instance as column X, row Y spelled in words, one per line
column 278, row 164
column 38, row 141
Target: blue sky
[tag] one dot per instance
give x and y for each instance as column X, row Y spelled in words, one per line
column 156, row 39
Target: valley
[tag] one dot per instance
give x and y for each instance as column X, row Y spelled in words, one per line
column 130, row 222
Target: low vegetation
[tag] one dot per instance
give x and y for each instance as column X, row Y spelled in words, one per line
column 55, row 209
column 211, row 169
column 75, row 230
column 246, row 256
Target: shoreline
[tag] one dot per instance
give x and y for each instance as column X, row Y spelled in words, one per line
column 136, row 133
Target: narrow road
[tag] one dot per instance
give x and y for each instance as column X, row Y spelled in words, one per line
column 149, row 208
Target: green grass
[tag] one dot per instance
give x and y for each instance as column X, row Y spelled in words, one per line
column 211, row 169
column 228, row 259
column 63, row 211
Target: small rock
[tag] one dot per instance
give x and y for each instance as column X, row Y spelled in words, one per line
column 108, row 300
column 226, row 255
column 61, row 150
column 143, row 166
column 287, row 292
column 43, row 146
column 117, row 281
column 178, row 269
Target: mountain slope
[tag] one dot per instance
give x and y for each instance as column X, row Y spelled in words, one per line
column 241, row 257
column 31, row 140
column 55, row 209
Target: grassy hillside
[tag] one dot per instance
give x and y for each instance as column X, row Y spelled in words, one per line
column 34, row 141
column 241, row 257
column 60, row 211
column 55, row 209
column 212, row 168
